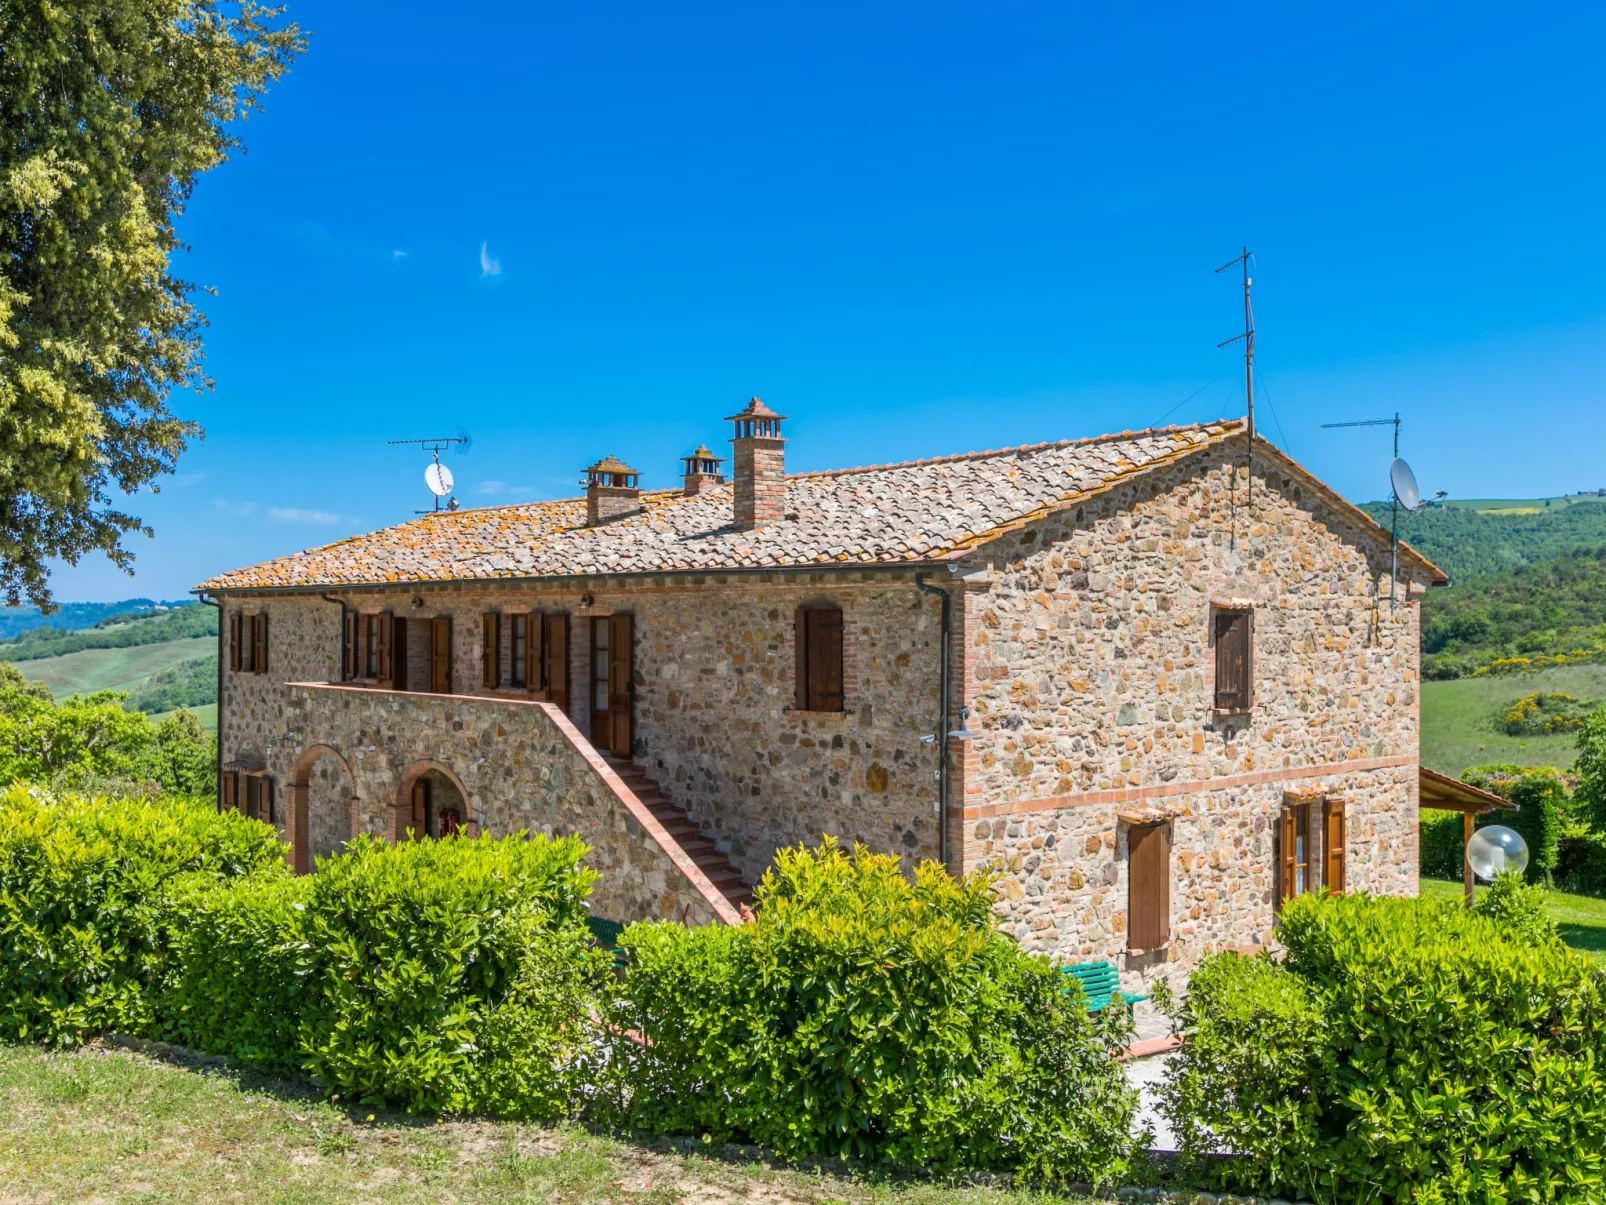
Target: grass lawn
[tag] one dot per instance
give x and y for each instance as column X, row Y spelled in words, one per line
column 1581, row 918
column 1458, row 719
column 113, row 669
column 109, row 1126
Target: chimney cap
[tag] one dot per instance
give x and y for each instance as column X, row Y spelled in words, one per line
column 611, row 464
column 703, row 452
column 610, row 472
column 755, row 409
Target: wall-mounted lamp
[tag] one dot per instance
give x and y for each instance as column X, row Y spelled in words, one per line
column 587, row 600
column 417, row 603
column 964, row 733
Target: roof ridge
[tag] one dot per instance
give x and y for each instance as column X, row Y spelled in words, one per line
column 1085, row 441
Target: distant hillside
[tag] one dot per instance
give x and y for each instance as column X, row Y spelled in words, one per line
column 116, row 631
column 1467, row 544
column 189, row 684
column 1539, row 612
column 70, row 617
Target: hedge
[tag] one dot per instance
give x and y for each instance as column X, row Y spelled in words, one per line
column 85, row 891
column 867, row 1015
column 1408, row 1050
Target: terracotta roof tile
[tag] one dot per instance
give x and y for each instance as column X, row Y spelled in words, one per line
column 919, row 510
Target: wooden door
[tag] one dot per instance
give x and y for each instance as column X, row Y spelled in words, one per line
column 420, row 818
column 440, row 655
column 621, row 689
column 555, row 659
column 398, row 652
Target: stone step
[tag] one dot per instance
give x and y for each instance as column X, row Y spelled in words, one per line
column 685, row 832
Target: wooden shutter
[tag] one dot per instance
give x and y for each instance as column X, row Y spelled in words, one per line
column 259, row 643
column 824, row 659
column 555, row 650
column 621, row 688
column 419, row 822
column 1148, row 886
column 1234, row 660
column 1334, row 838
column 234, row 641
column 491, row 650
column 349, row 631
column 265, row 801
column 231, row 791
column 385, row 671
column 1287, row 831
column 800, row 644
column 440, row 655
column 398, row 653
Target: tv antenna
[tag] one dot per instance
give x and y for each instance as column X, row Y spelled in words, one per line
column 1403, row 491
column 1248, row 338
column 437, row 477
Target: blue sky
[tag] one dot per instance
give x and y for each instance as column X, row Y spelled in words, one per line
column 579, row 229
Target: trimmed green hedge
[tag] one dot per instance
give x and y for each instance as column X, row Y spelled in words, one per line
column 85, row 891
column 867, row 1015
column 1408, row 1050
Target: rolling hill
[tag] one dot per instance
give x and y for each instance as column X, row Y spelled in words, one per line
column 1467, row 542
column 73, row 616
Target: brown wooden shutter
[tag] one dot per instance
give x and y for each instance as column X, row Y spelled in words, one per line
column 349, row 630
column 824, row 659
column 440, row 655
column 234, row 641
column 259, row 643
column 555, row 651
column 800, row 643
column 1148, row 886
column 385, row 672
column 1334, row 838
column 231, row 791
column 265, row 805
column 621, row 687
column 1287, row 832
column 491, row 650
column 1234, row 659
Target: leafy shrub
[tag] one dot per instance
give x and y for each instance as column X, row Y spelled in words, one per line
column 1590, row 767
column 1581, row 860
column 1253, row 1075
column 869, row 1016
column 236, row 986
column 450, row 975
column 1540, row 713
column 1519, row 911
column 1466, row 1054
column 1440, row 850
column 84, row 898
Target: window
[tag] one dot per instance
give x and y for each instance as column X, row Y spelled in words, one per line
column 258, row 801
column 491, row 650
column 818, row 640
column 248, row 643
column 370, row 646
column 519, row 653
column 1148, row 886
column 1235, row 660
column 1294, row 851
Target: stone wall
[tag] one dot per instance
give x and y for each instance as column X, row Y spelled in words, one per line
column 1088, row 663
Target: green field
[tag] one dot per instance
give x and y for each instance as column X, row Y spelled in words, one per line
column 206, row 713
column 1458, row 719
column 1581, row 918
column 113, row 669
column 1517, row 506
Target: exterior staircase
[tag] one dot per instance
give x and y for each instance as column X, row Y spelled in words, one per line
column 724, row 876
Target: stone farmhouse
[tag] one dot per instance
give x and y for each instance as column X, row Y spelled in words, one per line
column 1157, row 681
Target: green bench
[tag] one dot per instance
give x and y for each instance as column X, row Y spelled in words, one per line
column 606, row 933
column 1101, row 985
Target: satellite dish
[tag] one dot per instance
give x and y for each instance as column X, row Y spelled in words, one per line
column 1404, row 483
column 439, row 479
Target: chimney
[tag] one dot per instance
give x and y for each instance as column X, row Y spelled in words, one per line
column 611, row 491
column 702, row 471
column 758, row 466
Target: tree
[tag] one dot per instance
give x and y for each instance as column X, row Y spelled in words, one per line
column 109, row 110
column 1590, row 767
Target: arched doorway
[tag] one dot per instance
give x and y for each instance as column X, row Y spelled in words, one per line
column 322, row 807
column 432, row 802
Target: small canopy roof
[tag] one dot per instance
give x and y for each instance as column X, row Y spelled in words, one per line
column 1452, row 795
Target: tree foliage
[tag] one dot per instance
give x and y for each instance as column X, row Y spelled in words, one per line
column 109, row 110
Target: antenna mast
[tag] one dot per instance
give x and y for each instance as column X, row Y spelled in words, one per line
column 1248, row 338
column 437, row 476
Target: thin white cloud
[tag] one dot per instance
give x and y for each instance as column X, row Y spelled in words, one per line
column 294, row 514
column 496, row 488
column 488, row 266
column 398, row 255
column 235, row 510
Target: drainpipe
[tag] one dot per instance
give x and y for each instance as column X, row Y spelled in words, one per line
column 941, row 738
column 217, row 786
column 340, row 670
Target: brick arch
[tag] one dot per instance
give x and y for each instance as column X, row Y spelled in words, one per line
column 402, row 810
column 297, row 823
